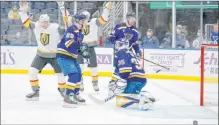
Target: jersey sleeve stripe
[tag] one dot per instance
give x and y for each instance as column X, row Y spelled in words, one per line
column 27, row 23
column 101, row 20
column 67, row 44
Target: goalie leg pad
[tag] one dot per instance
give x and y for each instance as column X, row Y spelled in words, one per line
column 134, row 87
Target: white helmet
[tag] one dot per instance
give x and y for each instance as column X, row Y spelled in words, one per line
column 86, row 13
column 44, row 17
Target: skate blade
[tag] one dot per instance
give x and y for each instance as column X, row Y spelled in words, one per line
column 81, row 103
column 32, row 99
column 67, row 105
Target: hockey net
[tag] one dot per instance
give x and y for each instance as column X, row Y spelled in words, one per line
column 209, row 74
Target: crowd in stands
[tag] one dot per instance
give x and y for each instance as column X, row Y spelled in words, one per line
column 151, row 36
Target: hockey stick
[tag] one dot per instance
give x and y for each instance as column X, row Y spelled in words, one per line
column 99, row 101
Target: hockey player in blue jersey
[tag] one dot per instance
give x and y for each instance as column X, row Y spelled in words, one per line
column 128, row 79
column 128, row 31
column 67, row 53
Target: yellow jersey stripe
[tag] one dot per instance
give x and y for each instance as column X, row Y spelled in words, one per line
column 66, row 53
column 124, row 71
column 69, row 43
column 138, row 76
column 122, row 27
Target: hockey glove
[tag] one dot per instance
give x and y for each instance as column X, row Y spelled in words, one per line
column 117, row 87
column 83, row 50
column 138, row 53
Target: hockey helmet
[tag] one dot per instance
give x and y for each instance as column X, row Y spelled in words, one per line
column 44, row 17
column 130, row 14
column 79, row 16
column 86, row 13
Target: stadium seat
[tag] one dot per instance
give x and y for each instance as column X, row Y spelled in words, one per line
column 39, row 5
column 4, row 5
column 51, row 5
column 35, row 11
column 46, row 11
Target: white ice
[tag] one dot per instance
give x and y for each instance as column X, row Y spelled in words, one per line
column 178, row 103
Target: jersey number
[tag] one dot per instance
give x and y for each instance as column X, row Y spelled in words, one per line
column 137, row 63
column 44, row 39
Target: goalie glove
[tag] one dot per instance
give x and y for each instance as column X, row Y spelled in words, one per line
column 117, row 87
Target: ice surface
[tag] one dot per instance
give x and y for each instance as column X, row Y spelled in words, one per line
column 178, row 103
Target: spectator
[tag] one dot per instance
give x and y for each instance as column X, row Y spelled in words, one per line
column 198, row 41
column 214, row 35
column 180, row 39
column 167, row 41
column 150, row 41
column 13, row 13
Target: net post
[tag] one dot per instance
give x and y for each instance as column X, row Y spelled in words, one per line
column 202, row 76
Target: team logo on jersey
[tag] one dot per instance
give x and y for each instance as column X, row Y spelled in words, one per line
column 44, row 39
column 86, row 29
column 128, row 36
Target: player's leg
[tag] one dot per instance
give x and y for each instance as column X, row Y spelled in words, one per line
column 37, row 65
column 80, row 60
column 145, row 99
column 72, row 86
column 77, row 97
column 93, row 68
column 59, row 74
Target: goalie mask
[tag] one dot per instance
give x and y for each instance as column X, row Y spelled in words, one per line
column 121, row 44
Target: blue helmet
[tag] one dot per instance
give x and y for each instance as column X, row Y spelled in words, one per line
column 79, row 16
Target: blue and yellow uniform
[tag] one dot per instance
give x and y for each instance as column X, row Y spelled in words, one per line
column 123, row 31
column 128, row 67
column 67, row 54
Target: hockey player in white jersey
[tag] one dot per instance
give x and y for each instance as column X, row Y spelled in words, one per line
column 47, row 36
column 91, row 33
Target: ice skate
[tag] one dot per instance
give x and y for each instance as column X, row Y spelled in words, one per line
column 34, row 96
column 62, row 91
column 69, row 102
column 78, row 98
column 82, row 87
column 95, row 86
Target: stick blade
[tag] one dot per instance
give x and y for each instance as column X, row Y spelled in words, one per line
column 96, row 100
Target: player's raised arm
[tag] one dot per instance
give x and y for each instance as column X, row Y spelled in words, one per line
column 67, row 18
column 103, row 19
column 24, row 16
